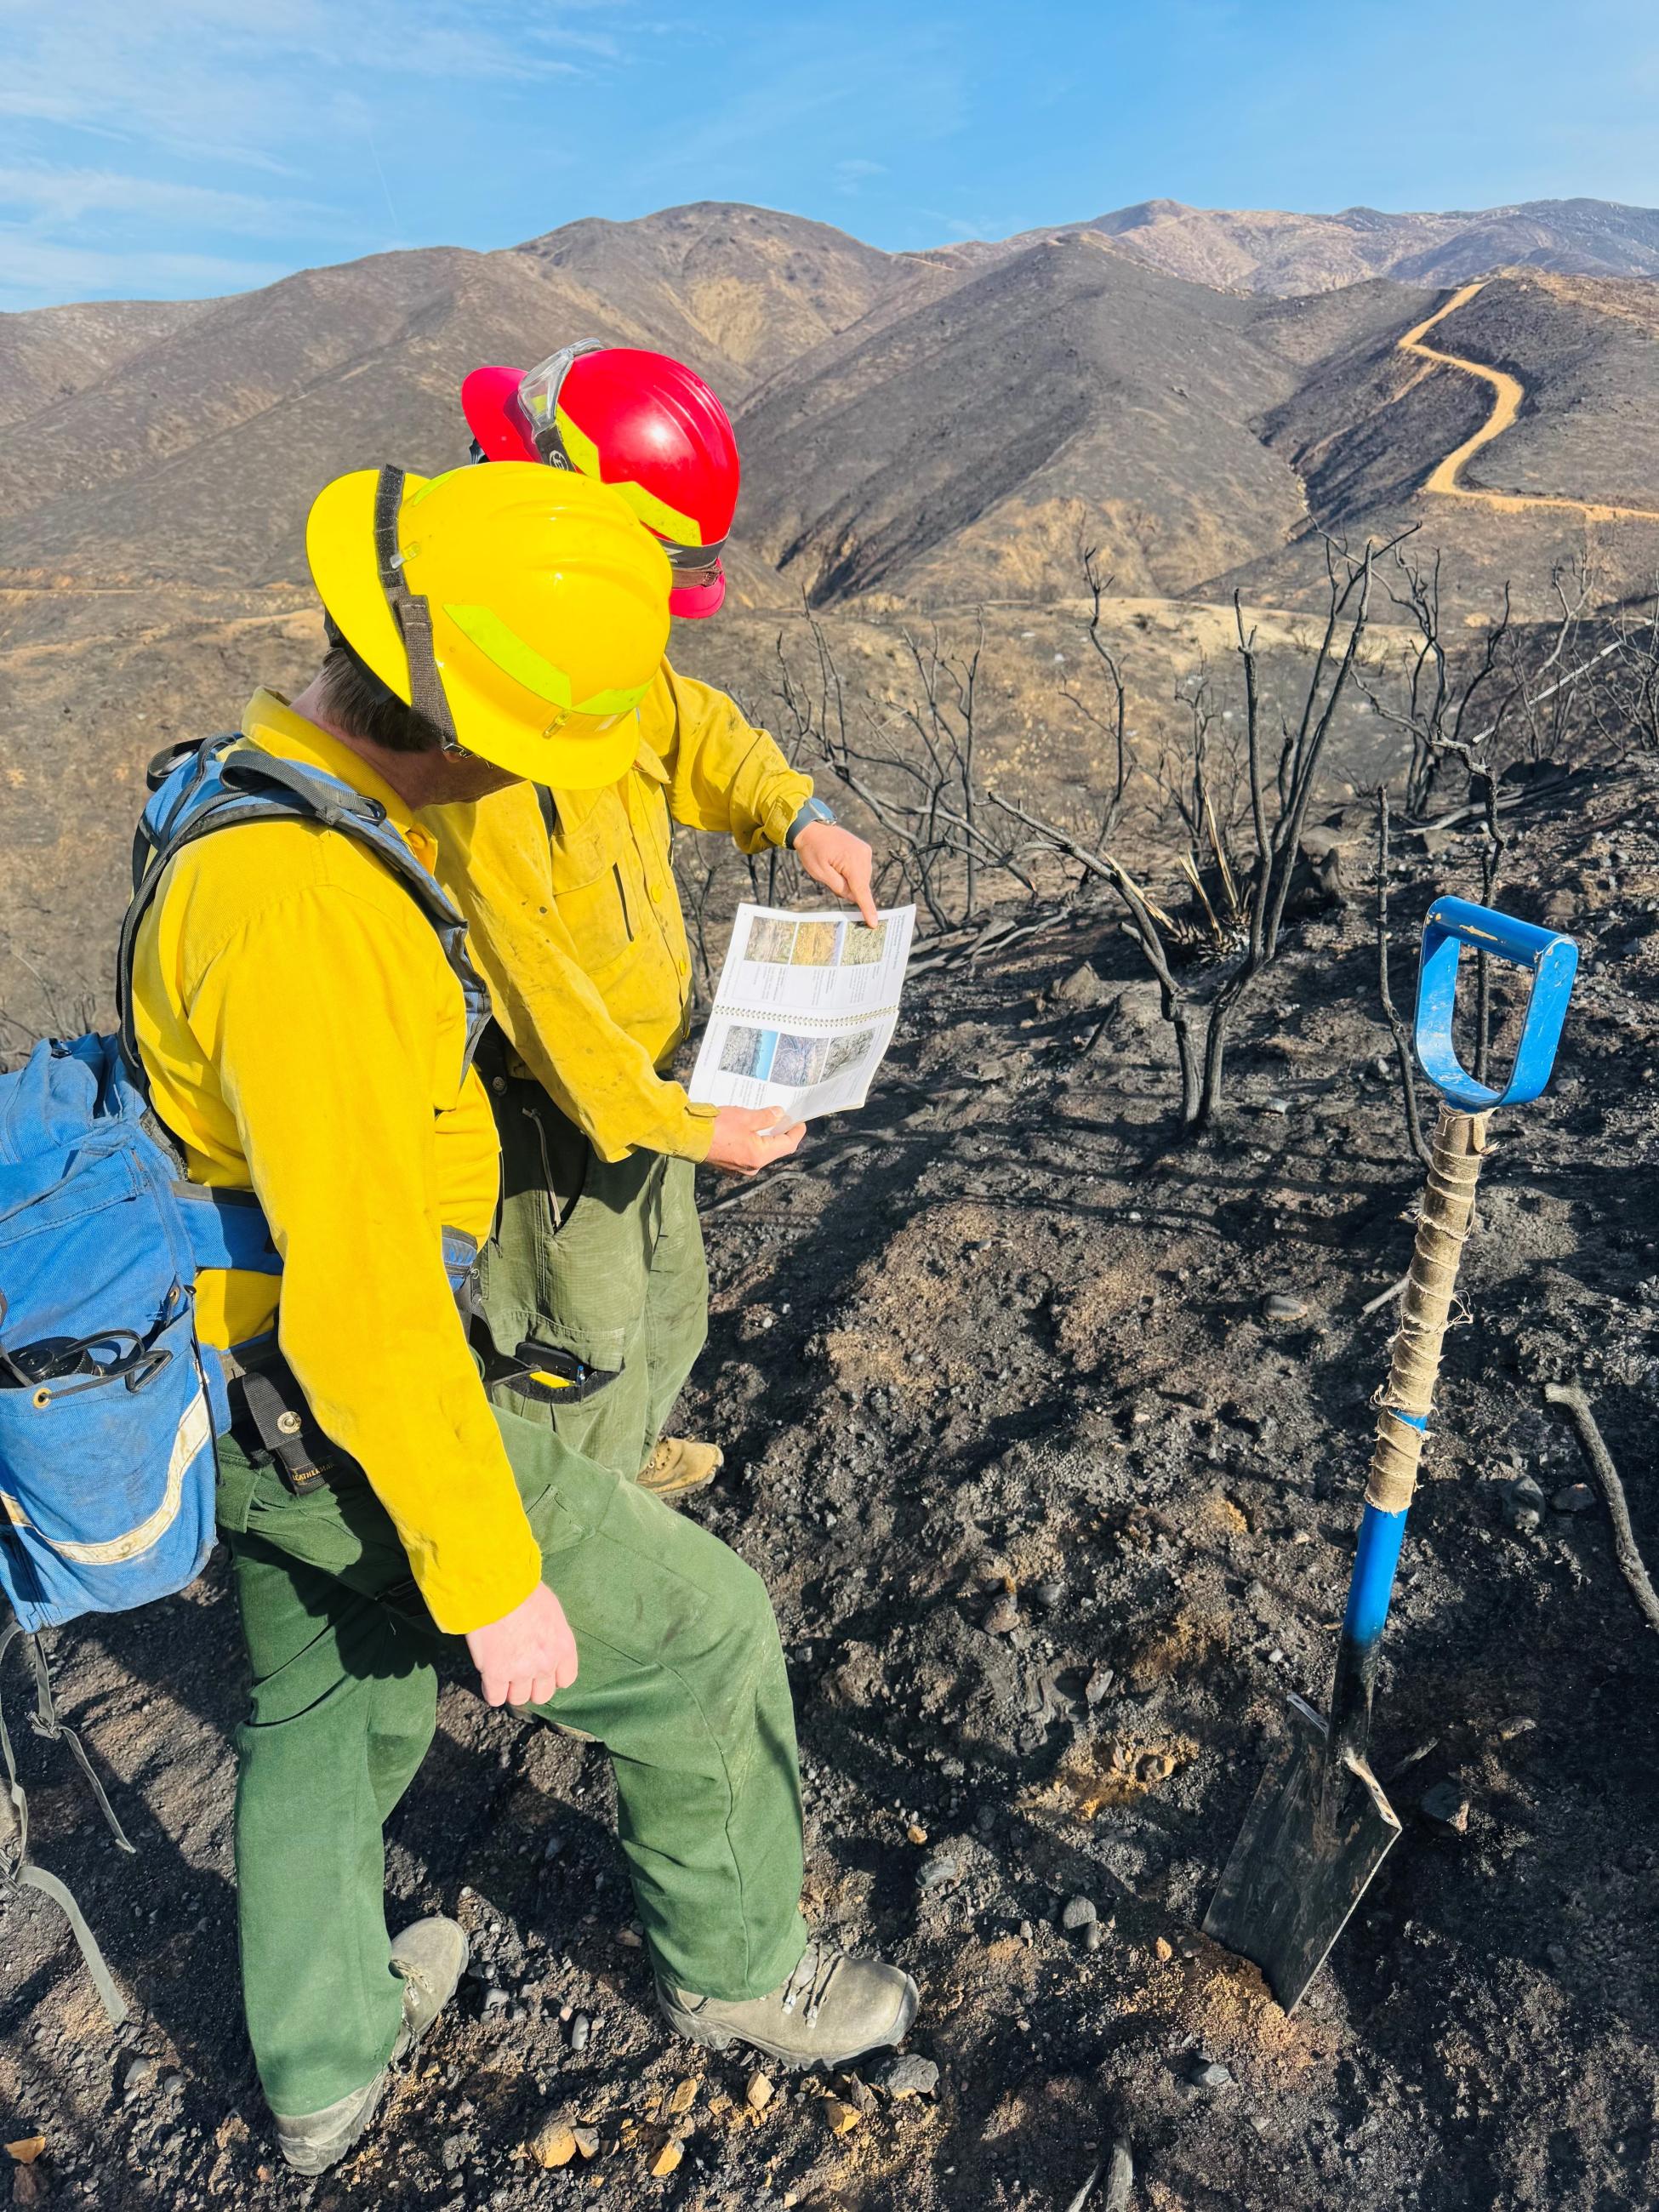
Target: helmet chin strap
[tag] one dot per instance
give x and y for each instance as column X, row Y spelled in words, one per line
column 695, row 556
column 411, row 614
column 551, row 373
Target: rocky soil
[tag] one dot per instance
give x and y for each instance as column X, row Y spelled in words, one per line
column 1049, row 1439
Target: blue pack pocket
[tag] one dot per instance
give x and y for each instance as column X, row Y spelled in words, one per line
column 107, row 1404
column 107, row 1480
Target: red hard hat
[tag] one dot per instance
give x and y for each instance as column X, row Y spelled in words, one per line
column 642, row 423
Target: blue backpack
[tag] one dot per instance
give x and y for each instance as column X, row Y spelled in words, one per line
column 109, row 1405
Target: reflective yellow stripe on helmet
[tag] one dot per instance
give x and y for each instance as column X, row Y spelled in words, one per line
column 655, row 513
column 521, row 661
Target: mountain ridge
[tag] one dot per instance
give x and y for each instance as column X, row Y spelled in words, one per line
column 1278, row 251
column 935, row 426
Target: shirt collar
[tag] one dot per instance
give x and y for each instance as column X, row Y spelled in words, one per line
column 574, row 806
column 269, row 721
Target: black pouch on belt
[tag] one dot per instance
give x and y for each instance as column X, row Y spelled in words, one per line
column 269, row 1415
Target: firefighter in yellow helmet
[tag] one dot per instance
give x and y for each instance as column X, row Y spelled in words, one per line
column 305, row 1012
column 441, row 589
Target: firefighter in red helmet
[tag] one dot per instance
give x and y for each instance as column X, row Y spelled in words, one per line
column 645, row 424
column 593, row 1288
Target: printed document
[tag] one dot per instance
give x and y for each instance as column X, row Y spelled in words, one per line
column 805, row 1010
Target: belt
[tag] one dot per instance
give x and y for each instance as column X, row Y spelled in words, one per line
column 269, row 1411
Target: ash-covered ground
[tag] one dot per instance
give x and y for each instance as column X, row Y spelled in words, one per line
column 1056, row 1508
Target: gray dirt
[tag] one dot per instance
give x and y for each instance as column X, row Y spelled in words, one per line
column 1055, row 1510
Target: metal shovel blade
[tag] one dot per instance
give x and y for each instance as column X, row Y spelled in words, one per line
column 1294, row 1877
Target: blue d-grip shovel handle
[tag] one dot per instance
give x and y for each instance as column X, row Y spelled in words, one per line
column 1553, row 959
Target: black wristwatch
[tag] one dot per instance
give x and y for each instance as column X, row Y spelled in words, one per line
column 814, row 810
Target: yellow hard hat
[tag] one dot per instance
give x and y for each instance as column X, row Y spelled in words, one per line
column 524, row 609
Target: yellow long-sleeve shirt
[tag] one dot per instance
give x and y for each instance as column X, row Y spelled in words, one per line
column 304, row 1038
column 578, row 930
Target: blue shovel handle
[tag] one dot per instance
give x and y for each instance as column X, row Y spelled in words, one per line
column 1553, row 959
column 1448, row 1208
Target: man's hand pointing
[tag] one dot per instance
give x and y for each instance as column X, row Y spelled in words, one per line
column 839, row 861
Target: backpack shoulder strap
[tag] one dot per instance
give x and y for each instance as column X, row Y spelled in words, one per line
column 228, row 782
column 201, row 754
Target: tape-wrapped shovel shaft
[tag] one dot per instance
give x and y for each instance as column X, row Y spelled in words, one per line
column 1443, row 1229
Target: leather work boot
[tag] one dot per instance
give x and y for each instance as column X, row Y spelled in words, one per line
column 679, row 1465
column 830, row 2010
column 431, row 1957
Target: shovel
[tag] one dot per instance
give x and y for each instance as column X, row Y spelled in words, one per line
column 1320, row 1826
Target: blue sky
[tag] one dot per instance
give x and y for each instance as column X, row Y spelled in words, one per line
column 161, row 149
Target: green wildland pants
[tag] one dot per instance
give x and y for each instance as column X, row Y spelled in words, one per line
column 680, row 1678
column 600, row 1259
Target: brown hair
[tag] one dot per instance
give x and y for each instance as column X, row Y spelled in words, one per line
column 358, row 702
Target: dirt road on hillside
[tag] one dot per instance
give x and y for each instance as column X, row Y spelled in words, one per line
column 1508, row 394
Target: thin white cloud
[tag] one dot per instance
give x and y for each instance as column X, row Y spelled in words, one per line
column 66, row 198
column 602, row 45
column 215, row 79
column 910, row 82
column 144, row 138
column 38, row 272
column 968, row 231
column 451, row 50
column 850, row 174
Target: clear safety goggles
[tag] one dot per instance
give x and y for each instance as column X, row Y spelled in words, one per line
column 539, row 396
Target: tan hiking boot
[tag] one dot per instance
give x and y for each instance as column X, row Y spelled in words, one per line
column 430, row 1956
column 679, row 1465
column 829, row 2011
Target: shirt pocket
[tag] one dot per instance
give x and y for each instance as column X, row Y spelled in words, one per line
column 598, row 916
